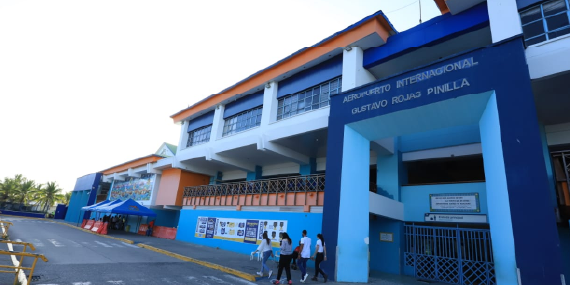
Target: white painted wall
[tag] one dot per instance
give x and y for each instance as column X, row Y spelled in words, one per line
column 458, row 150
column 283, row 168
column 235, row 174
column 548, row 58
column 386, row 207
column 353, row 74
column 504, row 19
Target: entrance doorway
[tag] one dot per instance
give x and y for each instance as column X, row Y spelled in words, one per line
column 451, row 255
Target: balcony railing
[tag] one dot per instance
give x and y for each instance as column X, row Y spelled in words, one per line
column 289, row 191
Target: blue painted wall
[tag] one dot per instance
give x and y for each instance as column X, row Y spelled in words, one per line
column 201, row 121
column 440, row 138
column 417, row 202
column 255, row 175
column 23, row 214
column 498, row 200
column 242, row 104
column 315, row 75
column 296, row 223
column 354, row 210
column 166, row 218
column 389, row 175
column 501, row 68
column 385, row 256
column 429, row 33
column 308, row 169
column 84, row 194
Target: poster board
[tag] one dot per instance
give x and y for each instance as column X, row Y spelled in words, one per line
column 240, row 230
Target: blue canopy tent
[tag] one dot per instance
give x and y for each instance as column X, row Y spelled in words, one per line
column 88, row 208
column 94, row 207
column 127, row 207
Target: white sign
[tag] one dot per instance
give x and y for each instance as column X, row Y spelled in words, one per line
column 388, row 237
column 450, row 218
column 467, row 202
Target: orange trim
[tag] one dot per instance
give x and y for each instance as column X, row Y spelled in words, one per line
column 377, row 25
column 442, row 6
column 132, row 164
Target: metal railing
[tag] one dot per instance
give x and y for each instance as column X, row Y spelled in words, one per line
column 16, row 269
column 296, row 184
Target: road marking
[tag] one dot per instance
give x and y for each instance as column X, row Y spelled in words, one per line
column 55, row 242
column 20, row 273
column 38, row 243
column 240, row 280
column 81, row 283
column 176, row 282
column 102, row 243
column 217, row 280
column 118, row 245
column 86, row 244
column 74, row 244
column 130, row 245
column 116, row 282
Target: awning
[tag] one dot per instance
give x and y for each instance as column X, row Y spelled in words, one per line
column 127, row 207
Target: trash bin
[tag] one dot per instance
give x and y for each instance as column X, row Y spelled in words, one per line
column 128, row 228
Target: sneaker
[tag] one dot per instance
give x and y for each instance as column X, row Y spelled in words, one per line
column 290, row 282
column 315, row 278
column 326, row 276
column 305, row 277
column 302, row 281
column 270, row 272
column 276, row 282
column 260, row 273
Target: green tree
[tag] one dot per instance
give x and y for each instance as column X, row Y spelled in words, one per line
column 49, row 195
column 10, row 186
column 24, row 192
column 67, row 198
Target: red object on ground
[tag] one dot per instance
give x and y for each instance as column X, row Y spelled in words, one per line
column 89, row 224
column 142, row 229
column 84, row 222
column 164, row 232
column 104, row 229
column 97, row 227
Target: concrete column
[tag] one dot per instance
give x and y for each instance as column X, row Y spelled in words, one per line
column 549, row 168
column 254, row 175
column 353, row 74
column 353, row 212
column 388, row 173
column 504, row 19
column 308, row 169
column 218, row 123
column 183, row 136
column 269, row 113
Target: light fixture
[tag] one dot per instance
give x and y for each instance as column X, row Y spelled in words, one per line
column 348, row 48
column 267, row 85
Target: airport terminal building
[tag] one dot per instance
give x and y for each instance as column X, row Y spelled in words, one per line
column 439, row 152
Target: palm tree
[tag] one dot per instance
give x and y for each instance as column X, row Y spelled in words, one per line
column 67, row 198
column 24, row 192
column 10, row 186
column 49, row 195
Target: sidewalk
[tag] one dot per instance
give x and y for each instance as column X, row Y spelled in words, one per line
column 241, row 262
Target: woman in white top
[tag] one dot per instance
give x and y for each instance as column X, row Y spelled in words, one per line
column 321, row 253
column 266, row 249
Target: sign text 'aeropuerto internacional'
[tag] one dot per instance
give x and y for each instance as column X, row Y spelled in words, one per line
column 410, row 81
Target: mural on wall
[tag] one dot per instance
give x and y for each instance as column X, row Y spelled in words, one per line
column 138, row 189
column 240, row 230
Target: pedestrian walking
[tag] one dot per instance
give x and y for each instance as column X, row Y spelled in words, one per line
column 321, row 254
column 305, row 255
column 285, row 258
column 150, row 228
column 265, row 249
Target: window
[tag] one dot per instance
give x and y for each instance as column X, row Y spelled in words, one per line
column 460, row 169
column 545, row 22
column 242, row 121
column 199, row 136
column 310, row 99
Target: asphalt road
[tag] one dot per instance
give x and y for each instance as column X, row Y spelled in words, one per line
column 79, row 258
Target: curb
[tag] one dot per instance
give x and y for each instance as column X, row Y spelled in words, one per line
column 246, row 276
column 75, row 227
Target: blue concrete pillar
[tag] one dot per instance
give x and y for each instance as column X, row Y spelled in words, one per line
column 308, row 169
column 353, row 212
column 388, row 178
column 518, row 195
column 254, row 175
column 548, row 164
column 215, row 179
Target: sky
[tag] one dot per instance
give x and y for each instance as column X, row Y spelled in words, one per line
column 87, row 85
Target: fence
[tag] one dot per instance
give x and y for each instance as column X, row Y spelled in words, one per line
column 288, row 191
column 451, row 255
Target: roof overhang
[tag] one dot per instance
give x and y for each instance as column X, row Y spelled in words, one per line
column 132, row 164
